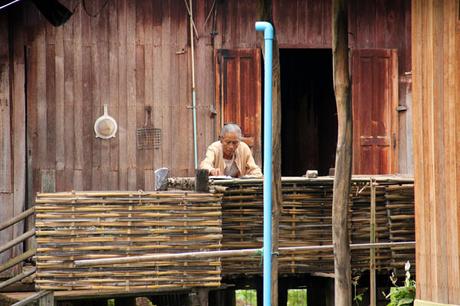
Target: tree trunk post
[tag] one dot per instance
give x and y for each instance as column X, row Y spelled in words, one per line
column 265, row 13
column 342, row 266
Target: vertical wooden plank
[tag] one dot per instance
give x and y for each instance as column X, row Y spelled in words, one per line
column 438, row 179
column 79, row 162
column 6, row 196
column 131, row 93
column 452, row 224
column 165, row 102
column 102, row 43
column 364, row 28
column 122, row 89
column 59, row 109
column 40, row 45
column 314, row 23
column 87, row 132
column 140, row 111
column 85, row 111
column 327, row 25
column 5, row 108
column 69, row 134
column 19, row 135
column 114, row 92
column 50, row 162
column 148, row 87
column 418, row 154
column 157, row 103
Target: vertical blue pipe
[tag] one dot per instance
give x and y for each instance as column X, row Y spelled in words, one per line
column 267, row 28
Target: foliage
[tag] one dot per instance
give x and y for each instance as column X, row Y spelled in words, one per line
column 357, row 298
column 297, row 297
column 402, row 295
column 246, row 298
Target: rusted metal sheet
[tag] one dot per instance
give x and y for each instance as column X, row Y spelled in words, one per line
column 374, row 135
column 239, row 92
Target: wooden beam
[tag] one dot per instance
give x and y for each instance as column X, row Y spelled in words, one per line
column 341, row 191
column 18, row 218
column 14, row 261
column 229, row 253
column 265, row 13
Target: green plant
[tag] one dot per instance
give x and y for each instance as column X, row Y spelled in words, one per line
column 357, row 298
column 297, row 297
column 401, row 295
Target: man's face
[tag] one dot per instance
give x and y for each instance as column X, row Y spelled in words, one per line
column 230, row 142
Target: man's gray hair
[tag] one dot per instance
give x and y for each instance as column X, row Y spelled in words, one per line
column 231, row 128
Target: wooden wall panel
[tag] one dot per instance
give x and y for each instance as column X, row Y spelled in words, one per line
column 137, row 53
column 6, row 178
column 436, row 40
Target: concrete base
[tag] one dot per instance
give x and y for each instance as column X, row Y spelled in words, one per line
column 428, row 303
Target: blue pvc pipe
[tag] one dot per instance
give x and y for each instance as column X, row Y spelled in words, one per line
column 267, row 28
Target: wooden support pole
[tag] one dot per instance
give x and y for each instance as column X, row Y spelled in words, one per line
column 342, row 180
column 17, row 240
column 18, row 218
column 265, row 13
column 14, row 261
column 372, row 274
column 46, row 300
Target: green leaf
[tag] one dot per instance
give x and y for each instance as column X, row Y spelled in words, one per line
column 405, row 301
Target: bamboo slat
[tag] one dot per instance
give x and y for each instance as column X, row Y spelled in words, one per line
column 88, row 225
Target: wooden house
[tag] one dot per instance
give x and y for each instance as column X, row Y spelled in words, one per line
column 131, row 55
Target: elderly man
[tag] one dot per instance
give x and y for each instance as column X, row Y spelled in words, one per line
column 229, row 156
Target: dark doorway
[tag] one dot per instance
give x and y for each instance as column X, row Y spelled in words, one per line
column 309, row 115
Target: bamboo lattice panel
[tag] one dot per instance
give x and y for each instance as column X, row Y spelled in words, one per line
column 73, row 226
column 400, row 209
column 306, row 219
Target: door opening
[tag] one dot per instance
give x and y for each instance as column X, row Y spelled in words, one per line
column 309, row 114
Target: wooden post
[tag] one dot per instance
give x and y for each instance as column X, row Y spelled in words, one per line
column 47, row 300
column 373, row 297
column 199, row 297
column 265, row 13
column 201, row 180
column 342, row 266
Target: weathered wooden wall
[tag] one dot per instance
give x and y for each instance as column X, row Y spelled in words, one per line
column 13, row 185
column 436, row 74
column 137, row 53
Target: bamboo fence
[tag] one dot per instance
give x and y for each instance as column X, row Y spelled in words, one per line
column 86, row 225
column 306, row 220
column 91, row 225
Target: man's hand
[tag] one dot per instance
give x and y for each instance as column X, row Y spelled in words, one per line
column 215, row 172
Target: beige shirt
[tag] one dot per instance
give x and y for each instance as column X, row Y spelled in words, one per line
column 243, row 159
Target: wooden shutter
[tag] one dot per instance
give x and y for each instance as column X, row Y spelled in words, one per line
column 374, row 93
column 238, row 84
